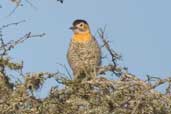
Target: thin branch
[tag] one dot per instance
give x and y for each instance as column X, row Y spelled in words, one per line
column 66, row 69
column 31, row 4
column 12, row 43
column 17, row 5
column 103, row 69
column 158, row 83
column 115, row 56
column 151, row 78
column 11, row 24
column 168, row 89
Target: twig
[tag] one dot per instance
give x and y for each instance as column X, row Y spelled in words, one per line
column 113, row 54
column 151, row 78
column 103, row 69
column 66, row 69
column 17, row 5
column 11, row 24
column 31, row 4
column 168, row 89
column 139, row 98
column 3, row 47
column 11, row 44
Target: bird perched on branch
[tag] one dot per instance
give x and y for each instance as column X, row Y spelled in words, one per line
column 84, row 55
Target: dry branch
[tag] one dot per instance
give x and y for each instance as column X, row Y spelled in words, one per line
column 115, row 56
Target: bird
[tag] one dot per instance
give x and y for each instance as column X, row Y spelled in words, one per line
column 84, row 54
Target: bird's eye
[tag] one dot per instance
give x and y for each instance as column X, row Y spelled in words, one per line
column 81, row 25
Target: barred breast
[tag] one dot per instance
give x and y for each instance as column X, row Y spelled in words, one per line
column 84, row 57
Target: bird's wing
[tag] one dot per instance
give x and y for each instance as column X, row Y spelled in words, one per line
column 97, row 49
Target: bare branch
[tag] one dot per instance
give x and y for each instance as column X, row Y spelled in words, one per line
column 11, row 24
column 31, row 4
column 112, row 68
column 150, row 79
column 17, row 2
column 66, row 69
column 140, row 98
column 168, row 89
column 115, row 56
column 11, row 44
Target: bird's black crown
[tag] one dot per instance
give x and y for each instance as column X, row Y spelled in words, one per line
column 79, row 21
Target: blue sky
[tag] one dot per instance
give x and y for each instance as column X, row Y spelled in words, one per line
column 138, row 29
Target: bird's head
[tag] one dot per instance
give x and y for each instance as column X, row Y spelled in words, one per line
column 80, row 27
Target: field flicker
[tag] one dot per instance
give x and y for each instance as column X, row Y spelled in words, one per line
column 84, row 54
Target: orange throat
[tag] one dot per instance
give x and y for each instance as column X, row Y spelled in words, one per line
column 82, row 37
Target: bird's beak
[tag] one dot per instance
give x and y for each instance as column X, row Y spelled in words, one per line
column 72, row 28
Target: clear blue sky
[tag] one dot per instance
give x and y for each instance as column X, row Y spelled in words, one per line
column 138, row 29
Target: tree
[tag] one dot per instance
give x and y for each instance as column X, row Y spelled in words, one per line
column 126, row 95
